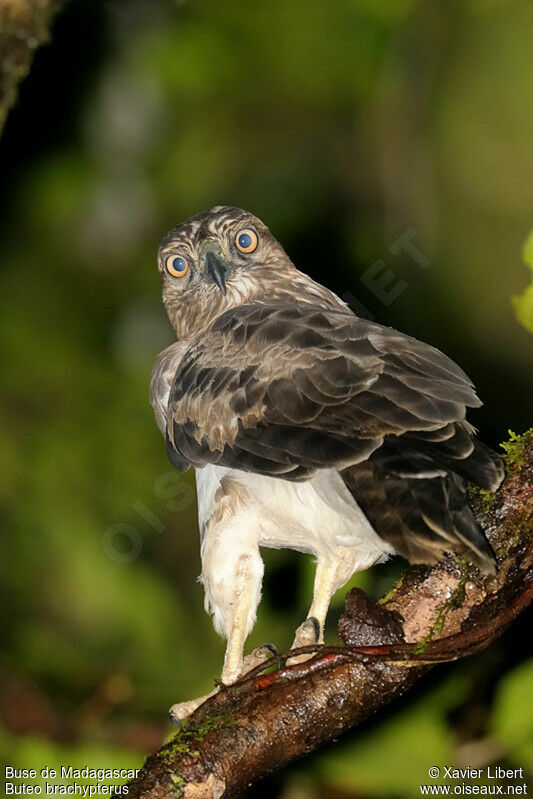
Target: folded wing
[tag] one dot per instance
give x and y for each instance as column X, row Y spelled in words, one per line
column 285, row 390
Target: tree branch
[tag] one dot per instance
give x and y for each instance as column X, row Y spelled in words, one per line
column 443, row 613
column 24, row 26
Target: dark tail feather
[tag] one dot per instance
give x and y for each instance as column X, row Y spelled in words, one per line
column 483, row 467
column 461, row 453
column 423, row 516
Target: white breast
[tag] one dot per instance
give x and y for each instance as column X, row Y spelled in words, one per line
column 315, row 516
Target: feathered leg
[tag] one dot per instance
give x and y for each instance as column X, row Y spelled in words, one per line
column 243, row 599
column 232, row 573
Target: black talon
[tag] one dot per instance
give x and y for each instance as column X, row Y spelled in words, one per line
column 175, row 721
column 316, row 625
column 273, row 650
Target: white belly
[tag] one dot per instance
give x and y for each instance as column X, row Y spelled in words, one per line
column 317, row 516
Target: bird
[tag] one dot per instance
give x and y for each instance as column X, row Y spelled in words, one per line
column 308, row 427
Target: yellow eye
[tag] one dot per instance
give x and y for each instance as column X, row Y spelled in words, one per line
column 177, row 266
column 246, row 240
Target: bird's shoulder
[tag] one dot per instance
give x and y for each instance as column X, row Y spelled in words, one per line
column 163, row 375
column 305, row 388
column 274, row 340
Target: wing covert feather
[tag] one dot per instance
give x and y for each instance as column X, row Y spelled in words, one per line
column 286, row 390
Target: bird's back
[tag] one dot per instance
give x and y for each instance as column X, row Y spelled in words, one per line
column 285, row 389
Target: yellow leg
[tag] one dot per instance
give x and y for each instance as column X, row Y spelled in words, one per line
column 325, row 583
column 312, row 630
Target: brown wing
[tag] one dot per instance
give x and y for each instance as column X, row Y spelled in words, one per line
column 288, row 390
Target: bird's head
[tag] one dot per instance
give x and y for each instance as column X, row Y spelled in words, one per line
column 217, row 260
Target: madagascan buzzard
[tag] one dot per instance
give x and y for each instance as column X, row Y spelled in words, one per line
column 308, row 427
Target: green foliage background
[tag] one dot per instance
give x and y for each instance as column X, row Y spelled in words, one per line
column 343, row 125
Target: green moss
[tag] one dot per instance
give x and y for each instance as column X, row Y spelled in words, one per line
column 514, row 451
column 184, row 743
column 511, row 531
column 392, row 593
column 514, row 461
column 191, row 734
column 212, row 723
column 455, row 601
column 179, row 785
column 487, row 497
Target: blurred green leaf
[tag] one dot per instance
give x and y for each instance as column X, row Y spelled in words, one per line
column 394, row 757
column 523, row 303
column 512, row 719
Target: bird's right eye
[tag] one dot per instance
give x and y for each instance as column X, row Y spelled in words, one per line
column 177, row 266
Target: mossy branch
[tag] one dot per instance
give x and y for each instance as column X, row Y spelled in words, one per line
column 24, row 26
column 438, row 614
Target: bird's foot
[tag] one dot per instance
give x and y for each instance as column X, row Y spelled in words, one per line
column 307, row 634
column 181, row 710
column 258, row 656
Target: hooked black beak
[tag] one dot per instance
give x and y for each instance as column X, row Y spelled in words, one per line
column 215, row 270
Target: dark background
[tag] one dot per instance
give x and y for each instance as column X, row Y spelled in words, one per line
column 345, row 126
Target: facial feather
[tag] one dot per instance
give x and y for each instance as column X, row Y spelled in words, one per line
column 194, row 302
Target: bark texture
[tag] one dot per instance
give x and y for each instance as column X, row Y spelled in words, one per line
column 24, row 26
column 438, row 614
